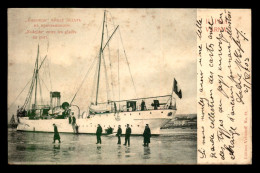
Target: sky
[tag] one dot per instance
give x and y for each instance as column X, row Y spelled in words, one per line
column 160, row 45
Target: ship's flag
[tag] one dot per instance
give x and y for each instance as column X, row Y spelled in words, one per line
column 176, row 89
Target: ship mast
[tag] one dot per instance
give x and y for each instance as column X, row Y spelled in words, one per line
column 100, row 54
column 102, row 48
column 36, row 76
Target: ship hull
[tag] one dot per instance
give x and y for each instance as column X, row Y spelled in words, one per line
column 137, row 121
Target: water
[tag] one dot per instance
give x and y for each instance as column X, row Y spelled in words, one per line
column 173, row 146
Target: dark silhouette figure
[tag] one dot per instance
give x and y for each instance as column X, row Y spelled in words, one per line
column 127, row 135
column 109, row 130
column 99, row 133
column 73, row 120
column 118, row 134
column 69, row 120
column 56, row 134
column 147, row 135
column 76, row 129
column 143, row 105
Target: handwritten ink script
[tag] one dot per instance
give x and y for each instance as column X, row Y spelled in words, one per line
column 224, row 86
column 42, row 28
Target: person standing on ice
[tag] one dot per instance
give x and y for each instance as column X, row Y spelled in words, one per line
column 99, row 133
column 56, row 134
column 147, row 135
column 127, row 135
column 119, row 133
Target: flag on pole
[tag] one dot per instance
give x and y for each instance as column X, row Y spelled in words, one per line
column 176, row 89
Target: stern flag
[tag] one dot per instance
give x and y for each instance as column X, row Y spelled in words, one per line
column 176, row 89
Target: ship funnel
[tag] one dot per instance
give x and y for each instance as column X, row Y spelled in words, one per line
column 54, row 99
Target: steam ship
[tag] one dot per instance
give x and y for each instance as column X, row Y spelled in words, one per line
column 137, row 112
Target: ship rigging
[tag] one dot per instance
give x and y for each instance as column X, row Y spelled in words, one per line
column 110, row 112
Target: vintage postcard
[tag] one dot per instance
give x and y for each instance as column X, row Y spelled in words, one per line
column 95, row 86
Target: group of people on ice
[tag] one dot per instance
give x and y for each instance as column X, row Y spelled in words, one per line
column 146, row 134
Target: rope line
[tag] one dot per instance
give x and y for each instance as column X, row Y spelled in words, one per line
column 113, row 91
column 107, row 88
column 20, row 93
column 127, row 63
column 118, row 77
column 29, row 95
column 40, row 89
column 94, row 82
column 91, row 66
column 110, row 65
column 44, row 84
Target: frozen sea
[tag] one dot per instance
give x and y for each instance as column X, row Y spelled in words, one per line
column 173, row 146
